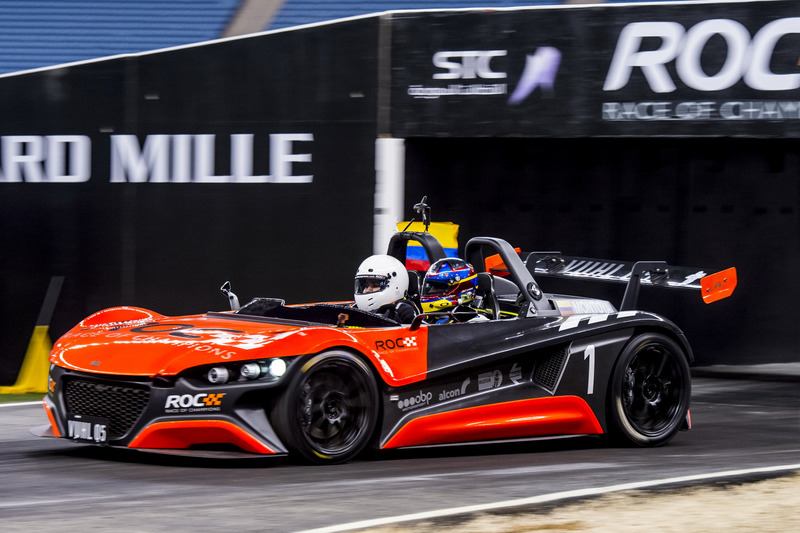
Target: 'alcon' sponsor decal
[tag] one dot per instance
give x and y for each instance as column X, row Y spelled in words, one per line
column 449, row 394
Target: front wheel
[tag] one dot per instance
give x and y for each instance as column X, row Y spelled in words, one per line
column 649, row 392
column 328, row 411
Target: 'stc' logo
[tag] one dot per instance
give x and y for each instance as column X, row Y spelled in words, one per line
column 467, row 65
column 394, row 344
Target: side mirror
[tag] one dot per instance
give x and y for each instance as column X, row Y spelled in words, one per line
column 233, row 300
column 417, row 322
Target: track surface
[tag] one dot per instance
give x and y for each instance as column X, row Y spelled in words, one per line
column 51, row 484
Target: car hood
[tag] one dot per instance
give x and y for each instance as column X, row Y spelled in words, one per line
column 158, row 345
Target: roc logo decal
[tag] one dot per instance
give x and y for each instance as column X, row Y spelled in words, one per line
column 399, row 343
column 193, row 403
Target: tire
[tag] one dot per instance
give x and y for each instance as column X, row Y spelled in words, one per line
column 649, row 392
column 328, row 411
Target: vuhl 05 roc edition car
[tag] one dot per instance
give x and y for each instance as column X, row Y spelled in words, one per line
column 324, row 381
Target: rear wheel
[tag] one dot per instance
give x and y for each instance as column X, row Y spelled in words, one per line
column 649, row 393
column 328, row 412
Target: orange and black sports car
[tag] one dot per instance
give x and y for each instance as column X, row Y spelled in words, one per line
column 324, row 381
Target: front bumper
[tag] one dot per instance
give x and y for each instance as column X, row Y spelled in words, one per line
column 162, row 414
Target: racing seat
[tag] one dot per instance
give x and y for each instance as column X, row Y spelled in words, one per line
column 486, row 291
column 415, row 286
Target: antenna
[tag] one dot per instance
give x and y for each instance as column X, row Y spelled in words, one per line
column 424, row 211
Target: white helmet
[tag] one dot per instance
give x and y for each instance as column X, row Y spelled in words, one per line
column 380, row 280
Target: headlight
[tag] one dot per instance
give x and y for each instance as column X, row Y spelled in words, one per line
column 277, row 368
column 269, row 369
column 218, row 374
column 250, row 370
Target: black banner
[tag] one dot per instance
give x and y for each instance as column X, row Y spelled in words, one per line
column 684, row 69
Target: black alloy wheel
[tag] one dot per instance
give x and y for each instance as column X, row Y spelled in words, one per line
column 650, row 390
column 329, row 410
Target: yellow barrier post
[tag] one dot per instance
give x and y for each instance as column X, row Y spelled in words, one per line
column 35, row 368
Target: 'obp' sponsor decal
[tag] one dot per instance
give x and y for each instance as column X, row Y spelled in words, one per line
column 420, row 399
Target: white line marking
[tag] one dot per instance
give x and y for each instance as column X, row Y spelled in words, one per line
column 545, row 498
column 9, row 505
column 469, row 473
column 598, row 318
column 571, row 322
column 17, row 404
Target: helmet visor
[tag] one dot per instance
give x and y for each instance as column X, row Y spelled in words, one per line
column 435, row 290
column 370, row 284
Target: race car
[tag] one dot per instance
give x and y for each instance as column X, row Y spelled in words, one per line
column 323, row 382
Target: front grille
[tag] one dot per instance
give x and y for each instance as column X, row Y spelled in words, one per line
column 120, row 404
column 548, row 370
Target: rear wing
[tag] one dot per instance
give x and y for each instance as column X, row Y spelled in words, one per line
column 654, row 273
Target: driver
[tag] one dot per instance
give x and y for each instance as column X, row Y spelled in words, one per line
column 449, row 286
column 381, row 286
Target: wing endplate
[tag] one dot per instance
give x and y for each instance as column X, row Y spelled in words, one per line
column 718, row 286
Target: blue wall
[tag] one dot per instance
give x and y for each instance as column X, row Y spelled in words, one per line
column 37, row 33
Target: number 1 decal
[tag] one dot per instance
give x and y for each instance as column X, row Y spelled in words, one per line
column 589, row 354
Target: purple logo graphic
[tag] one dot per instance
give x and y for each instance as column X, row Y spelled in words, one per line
column 540, row 71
